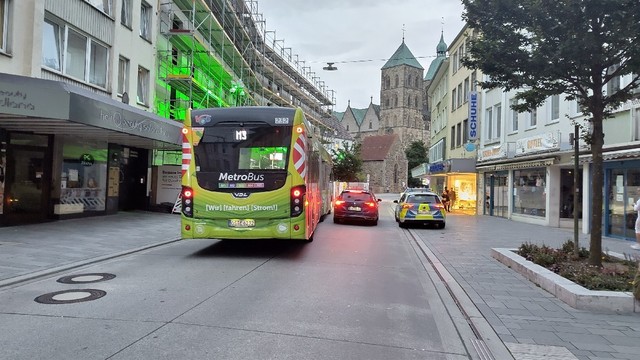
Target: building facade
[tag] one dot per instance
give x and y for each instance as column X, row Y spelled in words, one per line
column 93, row 93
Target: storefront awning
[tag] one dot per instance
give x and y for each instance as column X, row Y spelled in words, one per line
column 521, row 164
column 51, row 107
column 614, row 155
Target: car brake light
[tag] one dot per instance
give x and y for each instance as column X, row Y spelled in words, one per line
column 339, row 202
column 370, row 204
column 407, row 206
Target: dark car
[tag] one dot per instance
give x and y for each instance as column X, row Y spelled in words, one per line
column 356, row 205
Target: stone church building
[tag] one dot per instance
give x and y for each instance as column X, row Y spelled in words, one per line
column 386, row 130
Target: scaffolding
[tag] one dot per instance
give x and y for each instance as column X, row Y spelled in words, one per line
column 215, row 53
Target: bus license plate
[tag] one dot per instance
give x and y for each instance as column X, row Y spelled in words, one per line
column 242, row 223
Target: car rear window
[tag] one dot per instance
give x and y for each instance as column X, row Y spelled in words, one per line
column 354, row 196
column 423, row 199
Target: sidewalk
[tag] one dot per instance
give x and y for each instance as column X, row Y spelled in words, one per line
column 532, row 323
column 30, row 251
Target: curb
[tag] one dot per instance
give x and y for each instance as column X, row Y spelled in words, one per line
column 572, row 294
column 58, row 269
column 496, row 348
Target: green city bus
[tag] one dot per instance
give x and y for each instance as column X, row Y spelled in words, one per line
column 253, row 173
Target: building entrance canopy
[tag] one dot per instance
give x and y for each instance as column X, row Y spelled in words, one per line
column 52, row 107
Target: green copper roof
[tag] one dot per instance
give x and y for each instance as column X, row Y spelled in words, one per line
column 441, row 54
column 402, row 56
column 338, row 115
column 359, row 115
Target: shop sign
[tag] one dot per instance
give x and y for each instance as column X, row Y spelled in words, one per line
column 87, row 160
column 473, row 116
column 493, row 152
column 538, row 143
column 440, row 167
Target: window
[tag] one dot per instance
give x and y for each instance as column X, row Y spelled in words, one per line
column 460, row 94
column 83, row 58
column 76, row 55
column 51, row 45
column 454, row 97
column 98, row 65
column 498, row 127
column 409, row 81
column 397, row 82
column 613, row 85
column 102, row 5
column 489, row 117
column 453, row 137
column 514, row 116
column 395, row 100
column 125, row 13
column 145, row 21
column 454, row 63
column 143, row 86
column 370, row 125
column 458, row 134
column 465, row 132
column 4, row 21
column 533, row 118
column 123, row 75
column 555, row 107
column 465, row 95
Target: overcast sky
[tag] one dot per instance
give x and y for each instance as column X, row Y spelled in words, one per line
column 359, row 36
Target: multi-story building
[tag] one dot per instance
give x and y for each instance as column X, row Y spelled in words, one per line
column 91, row 91
column 452, row 152
column 526, row 163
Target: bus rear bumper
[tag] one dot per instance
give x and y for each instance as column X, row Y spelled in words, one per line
column 263, row 229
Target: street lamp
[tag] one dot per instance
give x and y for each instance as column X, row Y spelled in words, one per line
column 330, row 67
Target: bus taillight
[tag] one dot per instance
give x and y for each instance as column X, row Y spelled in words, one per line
column 297, row 203
column 187, row 201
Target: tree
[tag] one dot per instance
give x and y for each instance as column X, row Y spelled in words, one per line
column 347, row 164
column 416, row 155
column 573, row 47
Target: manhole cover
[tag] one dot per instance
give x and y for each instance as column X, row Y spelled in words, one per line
column 70, row 296
column 86, row 278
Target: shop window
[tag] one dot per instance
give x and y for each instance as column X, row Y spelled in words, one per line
column 529, row 192
column 83, row 180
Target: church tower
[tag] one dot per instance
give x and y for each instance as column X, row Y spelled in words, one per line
column 401, row 97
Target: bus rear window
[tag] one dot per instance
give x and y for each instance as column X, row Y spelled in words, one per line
column 228, row 152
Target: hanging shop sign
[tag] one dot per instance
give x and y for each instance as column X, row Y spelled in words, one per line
column 472, row 131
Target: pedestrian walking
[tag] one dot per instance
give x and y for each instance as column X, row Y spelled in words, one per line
column 636, row 208
column 446, row 200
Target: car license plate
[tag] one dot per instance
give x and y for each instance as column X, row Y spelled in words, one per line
column 354, row 208
column 242, row 223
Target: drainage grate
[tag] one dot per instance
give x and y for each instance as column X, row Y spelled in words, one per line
column 70, row 296
column 86, row 278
